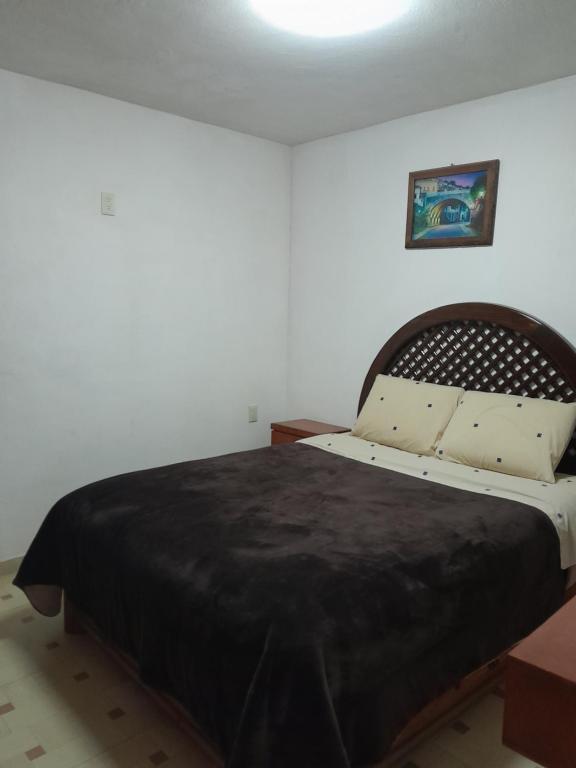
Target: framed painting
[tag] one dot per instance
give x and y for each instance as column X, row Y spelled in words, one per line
column 453, row 206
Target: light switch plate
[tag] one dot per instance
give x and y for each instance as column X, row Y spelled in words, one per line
column 108, row 204
column 252, row 413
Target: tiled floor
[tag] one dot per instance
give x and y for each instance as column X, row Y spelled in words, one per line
column 65, row 703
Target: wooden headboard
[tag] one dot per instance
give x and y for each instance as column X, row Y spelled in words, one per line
column 485, row 347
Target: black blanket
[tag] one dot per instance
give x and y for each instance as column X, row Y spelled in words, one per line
column 302, row 606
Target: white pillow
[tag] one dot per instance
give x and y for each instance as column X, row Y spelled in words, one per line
column 406, row 414
column 520, row 436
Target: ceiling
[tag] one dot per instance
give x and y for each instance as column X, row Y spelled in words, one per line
column 214, row 61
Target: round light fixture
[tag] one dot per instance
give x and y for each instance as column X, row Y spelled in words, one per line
column 329, row 18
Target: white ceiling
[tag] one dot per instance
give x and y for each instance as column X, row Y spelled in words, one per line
column 214, row 61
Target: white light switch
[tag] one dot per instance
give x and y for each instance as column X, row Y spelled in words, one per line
column 108, row 204
column 252, row 413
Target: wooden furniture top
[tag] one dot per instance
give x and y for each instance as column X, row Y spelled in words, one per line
column 552, row 647
column 306, row 427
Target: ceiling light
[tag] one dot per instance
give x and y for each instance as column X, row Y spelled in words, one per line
column 329, row 18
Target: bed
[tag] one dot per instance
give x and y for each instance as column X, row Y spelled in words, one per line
column 318, row 603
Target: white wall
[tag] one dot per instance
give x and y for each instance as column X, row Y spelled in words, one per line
column 137, row 340
column 352, row 281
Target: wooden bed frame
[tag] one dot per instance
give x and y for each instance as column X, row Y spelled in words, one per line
column 485, row 347
column 476, row 346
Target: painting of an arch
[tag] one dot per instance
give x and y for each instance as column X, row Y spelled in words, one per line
column 452, row 206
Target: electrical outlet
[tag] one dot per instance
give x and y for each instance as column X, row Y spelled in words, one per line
column 252, row 413
column 108, row 204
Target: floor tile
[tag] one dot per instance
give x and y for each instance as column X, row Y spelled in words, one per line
column 430, row 756
column 479, row 745
column 35, row 752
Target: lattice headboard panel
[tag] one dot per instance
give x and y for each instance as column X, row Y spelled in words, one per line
column 484, row 347
column 479, row 355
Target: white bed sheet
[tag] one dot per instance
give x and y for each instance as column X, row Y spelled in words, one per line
column 557, row 500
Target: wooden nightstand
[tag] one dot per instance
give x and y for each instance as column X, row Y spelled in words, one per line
column 540, row 692
column 290, row 431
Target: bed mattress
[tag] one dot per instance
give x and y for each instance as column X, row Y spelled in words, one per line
column 301, row 604
column 557, row 500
